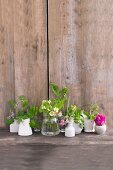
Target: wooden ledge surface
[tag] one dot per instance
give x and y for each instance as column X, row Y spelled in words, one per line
column 82, row 139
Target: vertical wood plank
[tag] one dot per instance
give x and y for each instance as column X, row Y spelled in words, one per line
column 30, row 39
column 64, row 19
column 97, row 54
column 6, row 57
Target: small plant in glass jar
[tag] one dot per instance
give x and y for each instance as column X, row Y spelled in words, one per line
column 51, row 110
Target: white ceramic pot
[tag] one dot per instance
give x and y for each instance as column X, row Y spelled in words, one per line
column 70, row 129
column 24, row 128
column 14, row 127
column 78, row 130
column 88, row 125
column 100, row 129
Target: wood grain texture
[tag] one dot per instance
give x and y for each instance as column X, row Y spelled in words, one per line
column 97, row 54
column 80, row 34
column 81, row 50
column 30, row 39
column 6, row 57
column 64, row 46
column 23, row 52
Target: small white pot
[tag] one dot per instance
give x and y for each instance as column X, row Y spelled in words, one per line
column 70, row 129
column 24, row 128
column 88, row 125
column 100, row 130
column 14, row 127
column 78, row 130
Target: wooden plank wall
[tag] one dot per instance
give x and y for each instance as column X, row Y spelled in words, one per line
column 23, row 51
column 81, row 50
column 79, row 53
column 64, row 46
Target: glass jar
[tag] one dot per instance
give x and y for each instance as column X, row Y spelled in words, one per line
column 50, row 126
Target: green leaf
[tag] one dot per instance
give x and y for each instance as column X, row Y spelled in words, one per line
column 33, row 123
column 9, row 121
column 63, row 92
column 55, row 89
column 12, row 104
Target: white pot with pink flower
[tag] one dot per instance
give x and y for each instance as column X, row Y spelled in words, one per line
column 100, row 124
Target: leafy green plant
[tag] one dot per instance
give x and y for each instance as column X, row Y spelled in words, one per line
column 22, row 104
column 31, row 112
column 76, row 113
column 93, row 110
column 51, row 107
column 21, row 110
column 9, row 120
column 59, row 93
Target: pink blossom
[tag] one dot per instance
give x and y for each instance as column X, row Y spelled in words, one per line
column 62, row 122
column 100, row 120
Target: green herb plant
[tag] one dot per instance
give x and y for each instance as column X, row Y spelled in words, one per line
column 25, row 111
column 93, row 110
column 60, row 94
column 76, row 113
column 52, row 108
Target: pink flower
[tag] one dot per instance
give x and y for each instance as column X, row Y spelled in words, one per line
column 100, row 120
column 62, row 122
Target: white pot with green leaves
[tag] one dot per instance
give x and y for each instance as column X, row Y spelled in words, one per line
column 25, row 114
column 89, row 124
column 78, row 120
column 77, row 114
column 12, row 123
column 24, row 128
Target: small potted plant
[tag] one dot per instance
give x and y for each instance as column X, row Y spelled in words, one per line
column 100, row 124
column 51, row 110
column 11, row 119
column 89, row 117
column 78, row 115
column 25, row 114
column 61, row 93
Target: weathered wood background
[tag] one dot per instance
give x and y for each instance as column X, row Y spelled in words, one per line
column 69, row 42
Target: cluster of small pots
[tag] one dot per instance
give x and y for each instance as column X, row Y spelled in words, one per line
column 23, row 128
column 89, row 126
